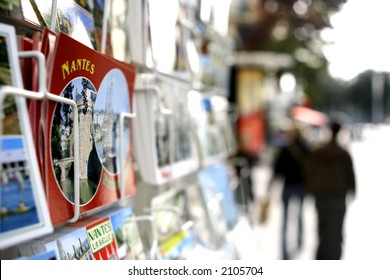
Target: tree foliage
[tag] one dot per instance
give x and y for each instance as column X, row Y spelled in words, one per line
column 292, row 27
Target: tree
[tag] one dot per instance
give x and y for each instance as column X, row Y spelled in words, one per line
column 354, row 98
column 292, row 27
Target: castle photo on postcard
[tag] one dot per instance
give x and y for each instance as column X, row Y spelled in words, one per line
column 83, row 92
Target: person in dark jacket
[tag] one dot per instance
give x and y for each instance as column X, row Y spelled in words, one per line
column 287, row 166
column 330, row 177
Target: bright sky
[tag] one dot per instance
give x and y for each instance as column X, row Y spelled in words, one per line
column 361, row 38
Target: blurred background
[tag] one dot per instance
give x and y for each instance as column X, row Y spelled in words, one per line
column 276, row 60
column 314, row 59
column 336, row 52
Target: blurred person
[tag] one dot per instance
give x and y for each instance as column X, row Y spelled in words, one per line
column 288, row 167
column 330, row 177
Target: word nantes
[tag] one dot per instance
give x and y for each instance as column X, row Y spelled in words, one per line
column 78, row 64
column 100, row 236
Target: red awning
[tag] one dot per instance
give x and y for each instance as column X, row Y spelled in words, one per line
column 308, row 116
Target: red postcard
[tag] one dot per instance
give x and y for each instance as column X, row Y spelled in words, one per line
column 101, row 237
column 102, row 89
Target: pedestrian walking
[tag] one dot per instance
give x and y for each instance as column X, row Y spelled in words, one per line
column 288, row 167
column 330, row 178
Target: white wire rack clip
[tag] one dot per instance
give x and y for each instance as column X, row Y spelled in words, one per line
column 42, row 93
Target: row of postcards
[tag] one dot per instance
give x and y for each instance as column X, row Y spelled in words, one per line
column 178, row 129
column 72, row 150
column 194, row 222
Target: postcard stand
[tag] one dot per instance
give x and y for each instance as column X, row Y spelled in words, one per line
column 156, row 91
column 153, row 252
column 122, row 118
column 161, row 110
column 42, row 93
